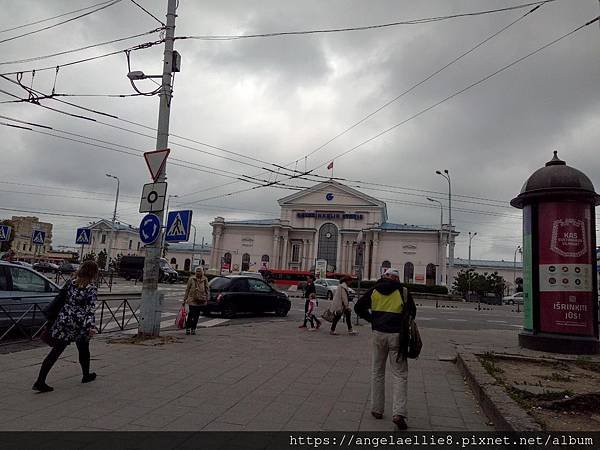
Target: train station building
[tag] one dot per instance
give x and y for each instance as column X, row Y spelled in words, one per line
column 333, row 222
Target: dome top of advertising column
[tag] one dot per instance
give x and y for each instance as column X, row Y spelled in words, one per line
column 556, row 180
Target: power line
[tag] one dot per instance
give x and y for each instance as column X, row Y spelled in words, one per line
column 100, row 8
column 49, row 213
column 455, row 94
column 429, row 77
column 148, row 12
column 55, row 17
column 63, row 188
column 79, row 49
column 361, row 28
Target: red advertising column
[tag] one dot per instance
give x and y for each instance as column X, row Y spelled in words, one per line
column 566, row 268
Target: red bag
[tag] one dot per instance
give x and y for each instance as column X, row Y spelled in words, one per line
column 180, row 319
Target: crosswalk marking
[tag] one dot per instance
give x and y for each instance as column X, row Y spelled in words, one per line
column 456, row 320
column 212, row 323
column 496, row 321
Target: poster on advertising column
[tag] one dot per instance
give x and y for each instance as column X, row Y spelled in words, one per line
column 565, row 269
column 527, row 269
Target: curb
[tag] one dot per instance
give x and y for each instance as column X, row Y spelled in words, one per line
column 502, row 410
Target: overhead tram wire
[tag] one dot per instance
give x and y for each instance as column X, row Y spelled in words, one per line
column 457, row 93
column 538, row 5
column 54, row 17
column 361, row 28
column 148, row 12
column 62, row 188
column 79, row 49
column 100, row 8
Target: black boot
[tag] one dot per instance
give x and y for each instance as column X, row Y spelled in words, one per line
column 89, row 377
column 40, row 386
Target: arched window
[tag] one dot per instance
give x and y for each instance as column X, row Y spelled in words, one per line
column 186, row 264
column 328, row 242
column 227, row 261
column 409, row 272
column 384, row 266
column 265, row 261
column 174, row 263
column 245, row 262
column 430, row 274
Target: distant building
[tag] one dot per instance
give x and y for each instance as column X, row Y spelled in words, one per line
column 125, row 239
column 22, row 243
column 186, row 256
column 323, row 222
column 509, row 270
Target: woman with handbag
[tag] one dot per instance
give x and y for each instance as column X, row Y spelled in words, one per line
column 341, row 307
column 196, row 295
column 75, row 323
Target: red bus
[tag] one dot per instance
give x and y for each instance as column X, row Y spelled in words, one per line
column 282, row 277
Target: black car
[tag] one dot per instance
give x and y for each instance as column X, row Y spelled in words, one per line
column 45, row 267
column 132, row 267
column 236, row 294
column 68, row 267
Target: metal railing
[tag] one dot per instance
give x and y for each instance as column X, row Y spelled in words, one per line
column 24, row 317
column 104, row 278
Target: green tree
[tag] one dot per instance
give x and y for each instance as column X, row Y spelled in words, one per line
column 486, row 283
column 101, row 259
column 6, row 245
column 89, row 257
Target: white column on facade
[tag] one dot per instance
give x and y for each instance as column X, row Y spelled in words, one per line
column 366, row 255
column 304, row 254
column 347, row 257
column 311, row 253
column 284, row 262
column 375, row 262
column 275, row 255
column 338, row 258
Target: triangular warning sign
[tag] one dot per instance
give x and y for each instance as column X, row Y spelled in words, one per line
column 38, row 238
column 156, row 162
column 3, row 236
column 177, row 227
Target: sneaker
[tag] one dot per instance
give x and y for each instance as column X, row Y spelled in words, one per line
column 89, row 377
column 193, row 331
column 41, row 387
column 352, row 333
column 333, row 333
column 313, row 329
column 377, row 415
column 400, row 422
column 318, row 325
column 187, row 332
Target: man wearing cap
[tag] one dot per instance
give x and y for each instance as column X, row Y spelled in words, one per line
column 388, row 306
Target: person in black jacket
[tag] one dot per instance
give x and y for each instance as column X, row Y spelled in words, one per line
column 389, row 306
column 308, row 289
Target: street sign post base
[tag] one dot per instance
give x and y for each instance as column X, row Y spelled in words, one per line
column 557, row 343
column 150, row 313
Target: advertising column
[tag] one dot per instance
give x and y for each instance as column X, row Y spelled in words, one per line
column 527, row 268
column 565, row 269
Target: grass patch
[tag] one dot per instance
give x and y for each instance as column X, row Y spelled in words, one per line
column 588, row 364
column 147, row 341
column 528, row 400
column 488, row 361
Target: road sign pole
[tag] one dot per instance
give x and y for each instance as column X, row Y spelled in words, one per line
column 81, row 256
column 150, row 308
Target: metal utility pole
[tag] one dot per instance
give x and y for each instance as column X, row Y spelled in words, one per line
column 442, row 243
column 151, row 306
column 114, row 218
column 162, row 241
column 446, row 175
column 193, row 247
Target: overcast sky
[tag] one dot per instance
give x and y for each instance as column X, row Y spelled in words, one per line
column 277, row 99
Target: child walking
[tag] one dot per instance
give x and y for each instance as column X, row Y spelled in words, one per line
column 311, row 313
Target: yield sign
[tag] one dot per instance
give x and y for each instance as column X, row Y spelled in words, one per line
column 156, row 162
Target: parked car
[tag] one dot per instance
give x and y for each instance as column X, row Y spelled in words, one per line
column 237, row 293
column 67, row 267
column 256, row 275
column 45, row 267
column 21, row 288
column 132, row 267
column 326, row 287
column 22, row 263
column 515, row 299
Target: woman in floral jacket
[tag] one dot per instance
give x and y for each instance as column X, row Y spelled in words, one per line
column 75, row 323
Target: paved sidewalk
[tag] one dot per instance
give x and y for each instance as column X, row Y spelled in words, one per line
column 264, row 376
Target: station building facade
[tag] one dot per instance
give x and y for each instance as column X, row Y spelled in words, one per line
column 325, row 222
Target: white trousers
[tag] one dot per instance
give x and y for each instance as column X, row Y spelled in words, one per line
column 387, row 345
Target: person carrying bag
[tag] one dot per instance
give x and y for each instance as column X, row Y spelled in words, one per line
column 196, row 295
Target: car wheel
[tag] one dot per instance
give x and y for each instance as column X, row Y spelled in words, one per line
column 329, row 295
column 281, row 310
column 228, row 310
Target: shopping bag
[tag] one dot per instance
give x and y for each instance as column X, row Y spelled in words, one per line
column 414, row 340
column 328, row 315
column 180, row 319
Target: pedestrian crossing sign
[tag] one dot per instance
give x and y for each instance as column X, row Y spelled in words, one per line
column 83, row 236
column 4, row 233
column 38, row 237
column 178, row 226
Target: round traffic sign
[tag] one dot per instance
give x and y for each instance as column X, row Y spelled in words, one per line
column 149, row 228
column 152, row 196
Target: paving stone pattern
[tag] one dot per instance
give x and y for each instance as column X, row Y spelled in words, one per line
column 267, row 376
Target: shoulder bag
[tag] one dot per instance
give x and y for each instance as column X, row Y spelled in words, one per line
column 414, row 340
column 53, row 308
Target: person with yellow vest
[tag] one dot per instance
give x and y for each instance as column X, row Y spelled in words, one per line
column 389, row 306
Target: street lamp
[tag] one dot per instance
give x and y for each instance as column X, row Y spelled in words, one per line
column 441, row 234
column 471, row 236
column 114, row 218
column 446, row 175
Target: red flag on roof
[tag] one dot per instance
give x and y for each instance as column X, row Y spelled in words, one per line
column 330, row 166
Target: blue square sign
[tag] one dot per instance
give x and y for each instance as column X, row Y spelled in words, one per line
column 4, row 233
column 178, row 226
column 83, row 236
column 38, row 237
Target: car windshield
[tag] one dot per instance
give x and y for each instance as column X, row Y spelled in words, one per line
column 219, row 283
column 332, row 282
